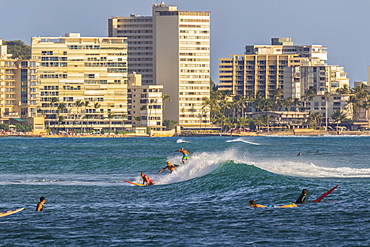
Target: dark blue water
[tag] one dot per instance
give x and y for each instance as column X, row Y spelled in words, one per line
column 204, row 203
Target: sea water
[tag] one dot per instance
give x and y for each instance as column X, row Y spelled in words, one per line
column 202, row 203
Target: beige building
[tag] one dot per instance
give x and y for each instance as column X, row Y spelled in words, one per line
column 18, row 88
column 83, row 81
column 171, row 48
column 145, row 106
column 262, row 69
column 27, row 96
column 324, row 78
column 8, row 70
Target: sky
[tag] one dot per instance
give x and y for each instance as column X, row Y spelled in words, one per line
column 340, row 25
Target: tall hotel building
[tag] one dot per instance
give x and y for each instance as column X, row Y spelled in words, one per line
column 83, row 81
column 7, row 84
column 265, row 68
column 18, row 88
column 171, row 48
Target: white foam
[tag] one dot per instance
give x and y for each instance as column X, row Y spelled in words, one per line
column 199, row 165
column 182, row 141
column 242, row 140
column 302, row 169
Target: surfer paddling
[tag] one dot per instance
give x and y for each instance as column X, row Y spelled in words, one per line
column 170, row 167
column 253, row 204
column 185, row 155
column 146, row 179
column 302, row 198
column 39, row 206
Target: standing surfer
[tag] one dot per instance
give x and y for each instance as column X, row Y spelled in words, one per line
column 302, row 198
column 146, row 179
column 170, row 167
column 185, row 155
column 39, row 206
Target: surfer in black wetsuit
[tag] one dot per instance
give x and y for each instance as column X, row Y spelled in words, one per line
column 302, row 198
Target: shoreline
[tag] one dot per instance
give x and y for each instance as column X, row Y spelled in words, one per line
column 297, row 132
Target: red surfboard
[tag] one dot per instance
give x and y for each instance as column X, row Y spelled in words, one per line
column 325, row 194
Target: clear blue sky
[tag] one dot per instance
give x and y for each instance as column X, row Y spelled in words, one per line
column 340, row 25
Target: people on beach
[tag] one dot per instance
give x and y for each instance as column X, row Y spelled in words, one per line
column 302, row 198
column 253, row 204
column 170, row 167
column 185, row 155
column 39, row 206
column 147, row 180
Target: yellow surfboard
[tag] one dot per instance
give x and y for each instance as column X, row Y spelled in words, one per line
column 2, row 214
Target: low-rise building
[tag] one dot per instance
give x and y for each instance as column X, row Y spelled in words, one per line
column 145, row 105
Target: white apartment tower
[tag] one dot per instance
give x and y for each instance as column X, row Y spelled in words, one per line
column 171, row 48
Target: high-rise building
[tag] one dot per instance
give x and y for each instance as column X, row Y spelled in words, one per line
column 171, row 48
column 261, row 69
column 83, row 81
column 8, row 69
column 18, row 89
column 27, row 96
column 324, row 78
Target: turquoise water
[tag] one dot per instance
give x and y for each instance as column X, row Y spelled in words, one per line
column 203, row 203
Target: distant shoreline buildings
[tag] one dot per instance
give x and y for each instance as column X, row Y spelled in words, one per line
column 154, row 69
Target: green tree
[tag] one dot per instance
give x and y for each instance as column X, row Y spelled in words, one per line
column 18, row 49
column 170, row 124
column 78, row 104
column 338, row 116
column 110, row 116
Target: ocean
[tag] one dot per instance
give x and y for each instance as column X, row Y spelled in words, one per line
column 202, row 203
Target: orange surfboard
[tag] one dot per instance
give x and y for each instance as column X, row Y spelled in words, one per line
column 133, row 183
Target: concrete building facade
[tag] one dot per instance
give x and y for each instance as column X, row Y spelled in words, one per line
column 8, row 68
column 264, row 68
column 177, row 56
column 145, row 106
column 83, row 81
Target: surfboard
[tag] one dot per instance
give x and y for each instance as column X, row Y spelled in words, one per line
column 325, row 194
column 133, row 183
column 2, row 214
column 292, row 205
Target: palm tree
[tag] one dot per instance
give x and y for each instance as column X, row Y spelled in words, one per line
column 287, row 103
column 79, row 103
column 124, row 117
column 52, row 102
column 276, row 102
column 296, row 103
column 60, row 120
column 308, row 95
column 338, row 116
column 344, row 90
column 85, row 105
column 110, row 116
column 165, row 97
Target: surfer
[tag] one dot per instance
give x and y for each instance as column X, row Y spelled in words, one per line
column 299, row 154
column 302, row 198
column 39, row 206
column 185, row 155
column 146, row 179
column 170, row 167
column 253, row 204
